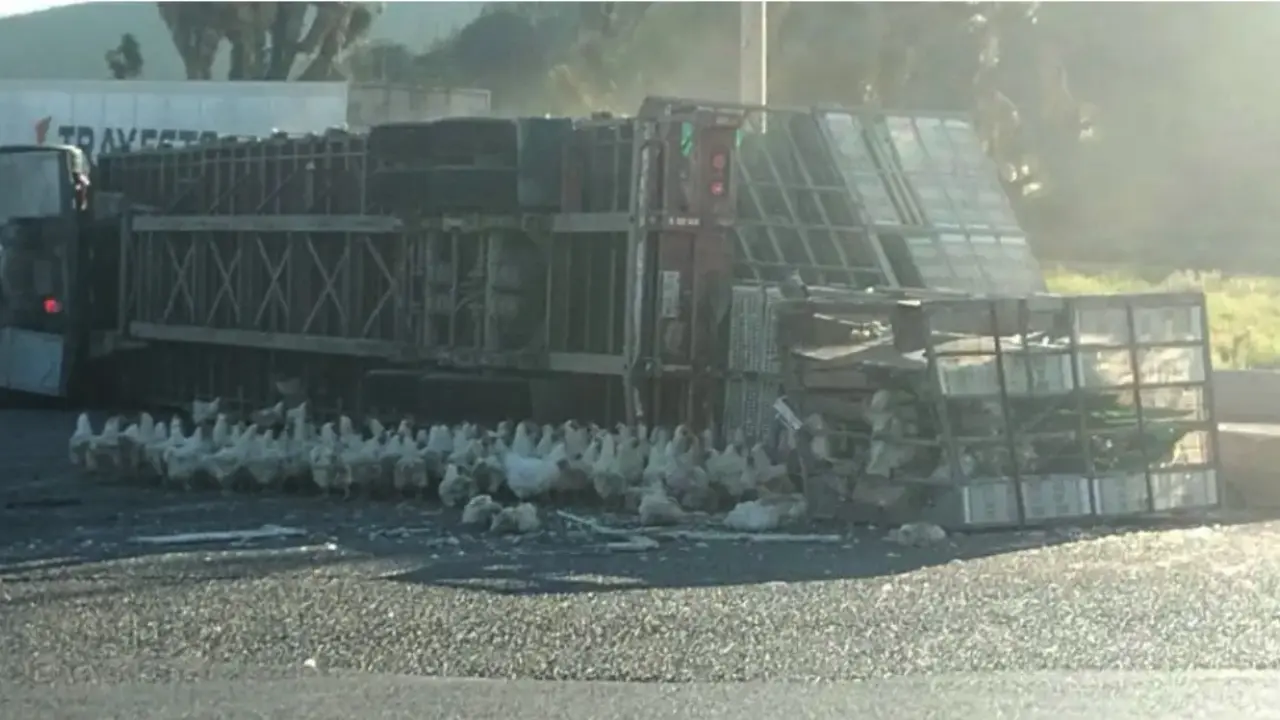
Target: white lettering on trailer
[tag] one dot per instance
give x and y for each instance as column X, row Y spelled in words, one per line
column 121, row 139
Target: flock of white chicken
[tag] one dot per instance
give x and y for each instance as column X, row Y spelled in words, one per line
column 658, row 473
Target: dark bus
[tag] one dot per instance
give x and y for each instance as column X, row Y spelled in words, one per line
column 44, row 205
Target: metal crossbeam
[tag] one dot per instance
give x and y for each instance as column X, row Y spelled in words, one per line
column 182, row 278
column 227, row 285
column 363, row 224
column 388, row 295
column 328, row 291
column 275, row 272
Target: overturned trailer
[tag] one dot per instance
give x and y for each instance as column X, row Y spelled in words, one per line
column 981, row 412
column 509, row 261
column 603, row 268
column 573, row 267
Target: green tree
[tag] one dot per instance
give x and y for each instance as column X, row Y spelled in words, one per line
column 125, row 60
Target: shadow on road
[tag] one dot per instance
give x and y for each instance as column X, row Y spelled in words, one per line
column 676, row 565
column 862, row 552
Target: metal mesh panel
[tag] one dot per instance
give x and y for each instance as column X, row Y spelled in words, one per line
column 1113, row 420
column 979, row 264
column 753, row 359
column 954, row 181
column 752, row 328
column 934, row 199
column 796, row 211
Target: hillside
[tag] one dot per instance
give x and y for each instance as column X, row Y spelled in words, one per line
column 68, row 43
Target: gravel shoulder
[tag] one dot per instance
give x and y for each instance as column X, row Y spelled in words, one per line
column 382, row 588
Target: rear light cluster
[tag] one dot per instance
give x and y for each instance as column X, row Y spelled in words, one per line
column 717, row 143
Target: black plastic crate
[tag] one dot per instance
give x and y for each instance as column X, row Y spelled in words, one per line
column 425, row 191
column 456, row 142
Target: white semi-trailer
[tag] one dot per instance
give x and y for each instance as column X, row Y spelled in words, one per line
column 113, row 115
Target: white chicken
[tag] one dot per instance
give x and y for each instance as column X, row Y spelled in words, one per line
column 575, row 478
column 78, row 445
column 642, row 437
column 103, row 455
column 765, row 514
column 268, row 418
column 657, row 508
column 727, row 470
column 761, row 476
column 464, row 445
column 480, row 511
column 576, row 439
column 522, row 444
column 457, row 488
column 529, row 478
column 221, row 435
column 606, row 478
column 631, row 454
column 820, row 444
column 323, row 460
column 437, row 447
column 685, row 479
column 227, row 461
column 203, row 412
column 133, row 443
column 410, row 472
column 266, row 459
column 658, row 473
column 489, row 470
column 503, row 433
column 154, row 447
column 389, row 453
column 916, row 534
column 362, row 464
column 655, row 470
column 546, row 442
column 183, row 457
column 522, row 518
column 296, row 445
column 886, row 453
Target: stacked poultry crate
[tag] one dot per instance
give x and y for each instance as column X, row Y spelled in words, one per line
column 751, row 385
column 858, row 199
column 1008, row 412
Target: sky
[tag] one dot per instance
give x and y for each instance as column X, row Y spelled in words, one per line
column 21, row 7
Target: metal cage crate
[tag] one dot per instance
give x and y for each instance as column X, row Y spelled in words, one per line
column 1014, row 411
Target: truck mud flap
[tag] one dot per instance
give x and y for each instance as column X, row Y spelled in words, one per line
column 31, row 362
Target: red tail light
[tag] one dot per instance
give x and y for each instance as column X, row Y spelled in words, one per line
column 52, row 306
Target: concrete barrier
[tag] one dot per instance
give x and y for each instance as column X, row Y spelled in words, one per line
column 1250, row 458
column 1247, row 406
column 1246, row 396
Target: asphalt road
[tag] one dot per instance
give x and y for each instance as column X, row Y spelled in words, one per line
column 399, row 592
column 1042, row 696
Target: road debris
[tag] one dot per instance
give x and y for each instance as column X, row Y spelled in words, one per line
column 266, row 532
column 635, row 544
column 637, row 537
column 916, row 534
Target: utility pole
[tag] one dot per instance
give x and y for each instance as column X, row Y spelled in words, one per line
column 753, row 53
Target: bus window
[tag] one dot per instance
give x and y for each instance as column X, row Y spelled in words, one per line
column 32, row 185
